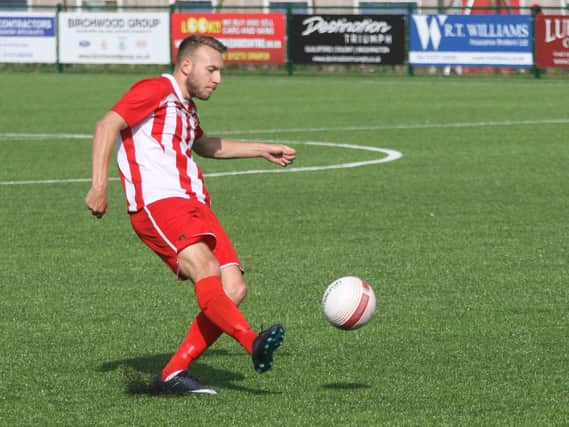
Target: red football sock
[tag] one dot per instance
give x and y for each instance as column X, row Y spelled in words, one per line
column 223, row 312
column 201, row 335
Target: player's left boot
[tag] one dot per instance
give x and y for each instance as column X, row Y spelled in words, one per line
column 264, row 346
column 184, row 383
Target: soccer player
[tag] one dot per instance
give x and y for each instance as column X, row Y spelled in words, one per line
column 157, row 129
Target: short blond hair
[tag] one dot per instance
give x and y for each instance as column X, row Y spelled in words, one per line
column 190, row 44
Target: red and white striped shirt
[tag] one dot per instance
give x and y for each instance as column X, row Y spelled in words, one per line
column 154, row 152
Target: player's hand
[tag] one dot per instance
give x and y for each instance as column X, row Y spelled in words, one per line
column 279, row 154
column 96, row 202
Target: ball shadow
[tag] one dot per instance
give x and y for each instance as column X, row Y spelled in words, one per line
column 346, row 386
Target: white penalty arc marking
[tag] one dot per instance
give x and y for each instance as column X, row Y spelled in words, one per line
column 391, row 155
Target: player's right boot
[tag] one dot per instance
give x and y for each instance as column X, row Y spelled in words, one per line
column 183, row 383
column 264, row 346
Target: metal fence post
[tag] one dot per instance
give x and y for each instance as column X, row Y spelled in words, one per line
column 172, row 9
column 535, row 10
column 410, row 10
column 289, row 64
column 58, row 65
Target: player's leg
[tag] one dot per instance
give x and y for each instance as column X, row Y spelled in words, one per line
column 234, row 284
column 219, row 313
column 198, row 263
column 202, row 332
column 167, row 227
column 231, row 274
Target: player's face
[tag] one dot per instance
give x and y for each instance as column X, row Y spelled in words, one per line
column 205, row 72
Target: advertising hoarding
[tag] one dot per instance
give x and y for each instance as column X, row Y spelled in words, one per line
column 551, row 41
column 471, row 40
column 114, row 38
column 347, row 39
column 252, row 38
column 28, row 37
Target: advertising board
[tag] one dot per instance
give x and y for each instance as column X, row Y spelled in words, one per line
column 551, row 41
column 471, row 40
column 114, row 38
column 347, row 39
column 252, row 38
column 27, row 37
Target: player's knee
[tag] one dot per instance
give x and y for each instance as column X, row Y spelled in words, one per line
column 236, row 290
column 239, row 293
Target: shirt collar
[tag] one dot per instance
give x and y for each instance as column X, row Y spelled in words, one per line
column 177, row 89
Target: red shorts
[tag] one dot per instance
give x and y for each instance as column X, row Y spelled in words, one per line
column 170, row 225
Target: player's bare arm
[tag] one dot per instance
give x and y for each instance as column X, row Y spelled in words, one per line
column 104, row 139
column 221, row 148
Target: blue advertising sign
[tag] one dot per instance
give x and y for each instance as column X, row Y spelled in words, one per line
column 27, row 26
column 471, row 40
column 27, row 37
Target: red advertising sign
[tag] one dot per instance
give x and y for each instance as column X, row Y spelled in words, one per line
column 551, row 41
column 252, row 38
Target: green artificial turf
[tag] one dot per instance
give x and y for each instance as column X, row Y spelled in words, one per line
column 464, row 240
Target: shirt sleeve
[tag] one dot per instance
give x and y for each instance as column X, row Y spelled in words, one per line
column 141, row 100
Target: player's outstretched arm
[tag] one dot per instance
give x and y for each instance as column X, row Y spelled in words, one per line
column 221, row 148
column 104, row 139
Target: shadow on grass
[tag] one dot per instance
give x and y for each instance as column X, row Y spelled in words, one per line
column 346, row 386
column 140, row 374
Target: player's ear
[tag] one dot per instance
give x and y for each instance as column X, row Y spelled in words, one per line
column 186, row 66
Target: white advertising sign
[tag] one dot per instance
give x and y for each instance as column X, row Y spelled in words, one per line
column 114, row 38
column 27, row 37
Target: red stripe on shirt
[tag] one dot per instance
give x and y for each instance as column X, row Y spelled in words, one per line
column 181, row 158
column 158, row 125
column 123, row 183
column 194, row 133
column 200, row 176
column 128, row 143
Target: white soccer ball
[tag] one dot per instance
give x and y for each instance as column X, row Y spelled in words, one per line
column 348, row 303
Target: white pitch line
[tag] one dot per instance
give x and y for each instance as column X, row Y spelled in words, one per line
column 400, row 127
column 392, row 155
column 410, row 126
column 51, row 181
column 39, row 136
